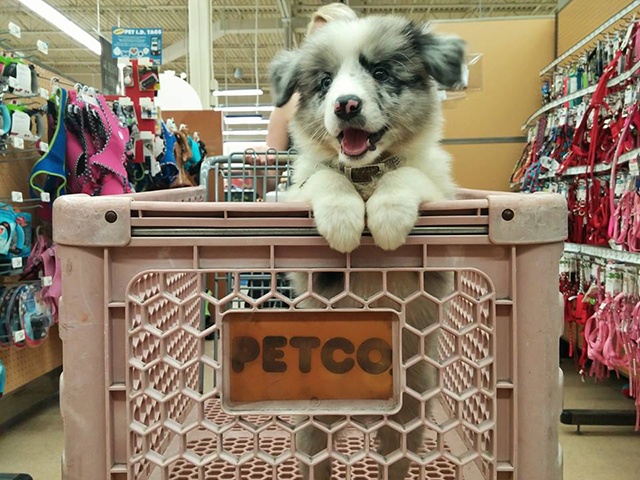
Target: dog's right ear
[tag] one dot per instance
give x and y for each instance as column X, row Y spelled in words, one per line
column 284, row 73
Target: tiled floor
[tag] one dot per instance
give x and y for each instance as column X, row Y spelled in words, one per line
column 34, row 446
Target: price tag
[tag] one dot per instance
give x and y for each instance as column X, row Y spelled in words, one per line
column 628, row 96
column 22, row 81
column 620, row 185
column 44, row 93
column 20, row 124
column 562, row 116
column 45, row 197
column 15, row 30
column 16, row 262
column 47, row 281
column 581, row 192
column 615, row 246
column 573, row 84
column 18, row 336
column 17, row 142
column 43, row 146
column 627, row 36
column 613, row 282
column 580, row 111
column 43, row 47
column 531, row 135
column 17, row 197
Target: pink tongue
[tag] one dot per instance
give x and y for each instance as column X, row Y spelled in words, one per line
column 354, row 141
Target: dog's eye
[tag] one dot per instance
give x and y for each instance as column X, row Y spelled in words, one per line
column 380, row 74
column 326, row 83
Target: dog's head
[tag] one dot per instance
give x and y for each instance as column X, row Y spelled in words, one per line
column 366, row 86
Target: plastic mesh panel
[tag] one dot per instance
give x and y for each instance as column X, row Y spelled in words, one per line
column 160, row 379
column 241, row 442
column 178, row 430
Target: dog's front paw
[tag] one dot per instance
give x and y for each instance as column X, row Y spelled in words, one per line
column 340, row 221
column 390, row 219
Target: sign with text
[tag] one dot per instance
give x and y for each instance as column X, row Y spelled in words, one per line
column 137, row 43
column 312, row 360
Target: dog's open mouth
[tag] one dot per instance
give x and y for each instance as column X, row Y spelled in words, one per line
column 356, row 142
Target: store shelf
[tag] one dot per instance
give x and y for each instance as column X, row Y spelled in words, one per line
column 26, row 367
column 581, row 93
column 599, row 168
column 629, row 258
column 585, row 41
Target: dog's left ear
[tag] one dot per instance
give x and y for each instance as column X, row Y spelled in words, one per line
column 284, row 73
column 444, row 57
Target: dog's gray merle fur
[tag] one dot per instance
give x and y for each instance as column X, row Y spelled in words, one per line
column 393, row 65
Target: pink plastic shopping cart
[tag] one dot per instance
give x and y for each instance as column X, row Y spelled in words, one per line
column 187, row 354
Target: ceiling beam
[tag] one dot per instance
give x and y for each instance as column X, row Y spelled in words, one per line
column 125, row 8
column 512, row 5
column 265, row 25
column 60, row 32
column 174, row 51
column 236, row 26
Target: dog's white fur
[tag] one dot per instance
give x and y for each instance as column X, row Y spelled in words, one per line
column 388, row 206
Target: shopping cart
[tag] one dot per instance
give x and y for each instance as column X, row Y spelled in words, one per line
column 146, row 395
column 248, row 176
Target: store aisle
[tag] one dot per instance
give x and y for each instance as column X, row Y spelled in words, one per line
column 34, row 446
column 598, row 452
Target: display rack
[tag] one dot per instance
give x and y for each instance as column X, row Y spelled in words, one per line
column 598, row 168
column 27, row 366
column 617, row 21
column 581, row 93
column 630, row 258
column 609, row 24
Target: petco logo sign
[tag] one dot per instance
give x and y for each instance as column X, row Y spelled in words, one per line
column 308, row 357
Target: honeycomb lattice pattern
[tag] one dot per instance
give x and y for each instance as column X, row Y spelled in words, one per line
column 476, row 346
column 177, row 429
column 240, row 442
column 161, row 378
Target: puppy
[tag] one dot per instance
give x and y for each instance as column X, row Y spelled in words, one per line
column 367, row 126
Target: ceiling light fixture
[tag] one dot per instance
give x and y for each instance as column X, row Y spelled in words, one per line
column 238, row 93
column 244, row 133
column 254, row 120
column 261, row 108
column 58, row 20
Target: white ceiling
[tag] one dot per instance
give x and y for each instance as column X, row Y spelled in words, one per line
column 230, row 49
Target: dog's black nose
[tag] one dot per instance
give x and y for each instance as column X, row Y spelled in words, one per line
column 347, row 107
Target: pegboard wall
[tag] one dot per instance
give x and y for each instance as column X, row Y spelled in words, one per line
column 26, row 364
column 581, row 17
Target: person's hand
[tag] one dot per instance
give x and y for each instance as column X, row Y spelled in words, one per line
column 260, row 159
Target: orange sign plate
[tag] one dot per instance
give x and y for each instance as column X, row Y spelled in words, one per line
column 309, row 357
